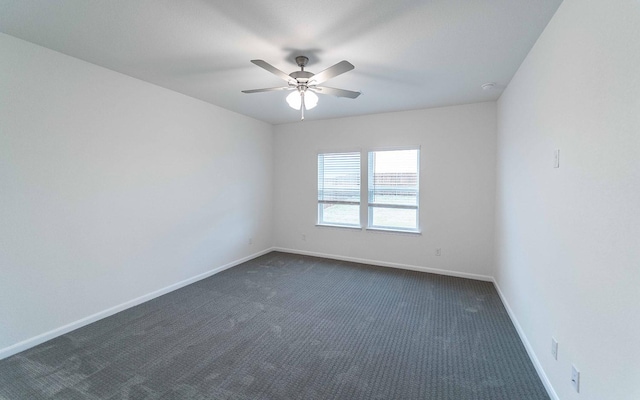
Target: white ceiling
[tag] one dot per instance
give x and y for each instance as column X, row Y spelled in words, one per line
column 408, row 54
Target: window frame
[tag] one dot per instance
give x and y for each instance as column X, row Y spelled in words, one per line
column 364, row 207
column 320, row 203
column 370, row 206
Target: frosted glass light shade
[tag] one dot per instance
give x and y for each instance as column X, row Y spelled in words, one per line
column 293, row 99
column 310, row 100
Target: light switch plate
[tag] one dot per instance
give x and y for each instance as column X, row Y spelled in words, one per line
column 575, row 378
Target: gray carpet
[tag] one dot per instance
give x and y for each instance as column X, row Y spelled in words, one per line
column 291, row 327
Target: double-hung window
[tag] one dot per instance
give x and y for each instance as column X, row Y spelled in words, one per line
column 393, row 189
column 392, row 183
column 339, row 189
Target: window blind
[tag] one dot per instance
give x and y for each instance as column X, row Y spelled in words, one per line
column 339, row 188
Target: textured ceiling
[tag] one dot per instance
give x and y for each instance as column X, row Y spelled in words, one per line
column 408, row 54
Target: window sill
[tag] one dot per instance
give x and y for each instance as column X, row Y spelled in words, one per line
column 395, row 231
column 359, row 228
column 374, row 229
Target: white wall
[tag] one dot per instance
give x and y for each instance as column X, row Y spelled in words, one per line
column 568, row 239
column 457, row 187
column 112, row 188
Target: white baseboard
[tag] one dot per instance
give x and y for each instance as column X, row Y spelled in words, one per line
column 388, row 264
column 36, row 340
column 532, row 355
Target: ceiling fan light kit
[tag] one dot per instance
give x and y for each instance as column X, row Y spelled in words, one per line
column 295, row 100
column 306, row 83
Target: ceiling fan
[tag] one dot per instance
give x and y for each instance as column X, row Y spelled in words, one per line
column 306, row 83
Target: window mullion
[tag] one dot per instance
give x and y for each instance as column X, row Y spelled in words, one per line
column 364, row 188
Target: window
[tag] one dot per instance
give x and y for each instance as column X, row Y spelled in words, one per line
column 392, row 186
column 393, row 189
column 339, row 189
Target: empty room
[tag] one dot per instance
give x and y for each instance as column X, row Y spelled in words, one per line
column 388, row 199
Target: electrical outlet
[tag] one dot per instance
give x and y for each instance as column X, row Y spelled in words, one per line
column 575, row 378
column 438, row 251
column 554, row 348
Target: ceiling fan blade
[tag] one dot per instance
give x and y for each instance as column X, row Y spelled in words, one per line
column 273, row 70
column 336, row 92
column 269, row 89
column 339, row 68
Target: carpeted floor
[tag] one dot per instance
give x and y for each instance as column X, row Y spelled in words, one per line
column 284, row 326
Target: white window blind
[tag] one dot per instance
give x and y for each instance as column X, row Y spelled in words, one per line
column 393, row 189
column 339, row 189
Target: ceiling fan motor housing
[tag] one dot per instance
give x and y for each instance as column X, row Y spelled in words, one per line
column 301, row 77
